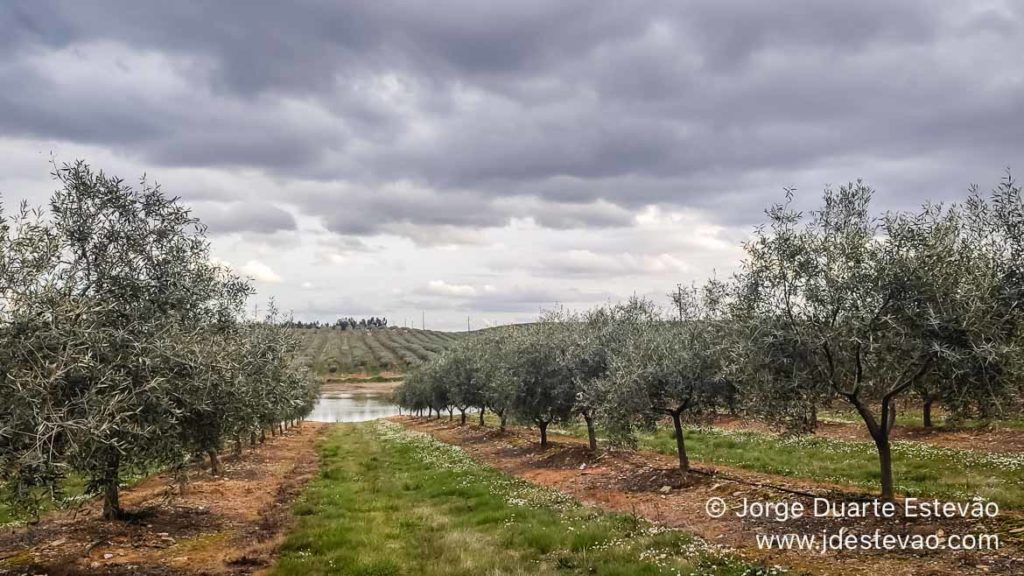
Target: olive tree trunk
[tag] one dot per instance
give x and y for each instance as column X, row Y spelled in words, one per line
column 879, row 430
column 684, row 461
column 111, row 501
column 215, row 467
column 591, row 433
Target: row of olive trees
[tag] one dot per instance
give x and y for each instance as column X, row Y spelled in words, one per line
column 837, row 305
column 122, row 347
column 621, row 366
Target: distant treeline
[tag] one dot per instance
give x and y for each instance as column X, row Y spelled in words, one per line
column 348, row 323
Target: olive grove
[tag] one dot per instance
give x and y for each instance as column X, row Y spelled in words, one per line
column 122, row 346
column 837, row 306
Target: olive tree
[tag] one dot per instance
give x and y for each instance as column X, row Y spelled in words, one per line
column 862, row 307
column 495, row 379
column 412, row 392
column 36, row 348
column 457, row 370
column 133, row 278
column 119, row 342
column 435, row 389
column 281, row 388
column 581, row 343
column 587, row 342
column 666, row 368
column 987, row 358
column 544, row 392
column 210, row 399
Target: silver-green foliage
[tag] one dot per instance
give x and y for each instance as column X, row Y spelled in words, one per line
column 842, row 303
column 121, row 346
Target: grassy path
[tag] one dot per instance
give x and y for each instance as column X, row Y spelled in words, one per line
column 391, row 501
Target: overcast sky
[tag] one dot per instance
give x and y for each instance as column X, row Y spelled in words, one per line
column 488, row 159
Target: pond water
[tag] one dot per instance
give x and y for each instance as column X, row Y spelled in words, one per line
column 341, row 407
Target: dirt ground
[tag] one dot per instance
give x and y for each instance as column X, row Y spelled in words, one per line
column 988, row 440
column 228, row 524
column 649, row 485
column 233, row 524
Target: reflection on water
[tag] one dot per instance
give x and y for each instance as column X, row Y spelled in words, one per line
column 352, row 408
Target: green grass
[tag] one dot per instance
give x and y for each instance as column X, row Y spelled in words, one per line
column 6, row 514
column 911, row 417
column 919, row 469
column 389, row 501
column 74, row 492
column 73, row 487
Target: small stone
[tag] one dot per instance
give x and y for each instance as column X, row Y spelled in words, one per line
column 665, row 489
column 583, row 466
column 108, row 556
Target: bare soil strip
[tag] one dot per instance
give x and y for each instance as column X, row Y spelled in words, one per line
column 648, row 485
column 228, row 524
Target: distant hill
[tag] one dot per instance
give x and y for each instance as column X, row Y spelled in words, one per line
column 331, row 351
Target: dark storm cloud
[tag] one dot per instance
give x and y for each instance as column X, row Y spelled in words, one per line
column 463, row 115
column 370, row 211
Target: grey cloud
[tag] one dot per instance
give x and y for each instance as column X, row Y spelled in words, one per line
column 576, row 114
column 527, row 299
column 489, row 298
column 731, row 36
column 258, row 217
column 589, row 264
column 368, row 211
column 431, row 217
column 323, row 307
column 599, row 214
